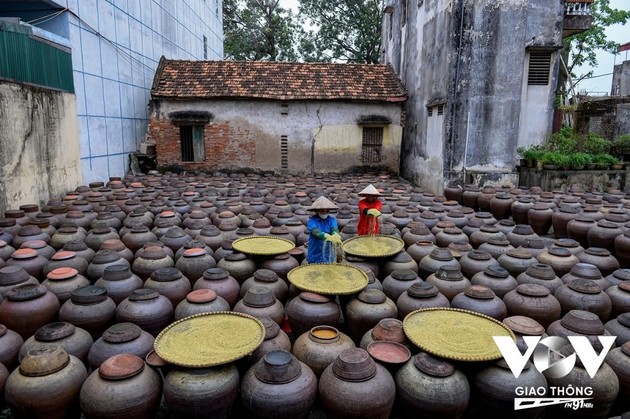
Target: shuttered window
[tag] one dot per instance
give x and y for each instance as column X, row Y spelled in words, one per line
column 192, row 143
column 284, row 152
column 539, row 66
column 372, row 143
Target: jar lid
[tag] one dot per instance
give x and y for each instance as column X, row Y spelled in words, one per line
column 624, row 286
column 583, row 322
column 104, row 256
column 235, row 257
column 214, row 274
column 524, row 325
column 449, row 273
column 479, row 292
column 597, row 251
column 278, row 367
column 122, row 332
column 54, row 331
column 479, row 255
column 90, row 294
column 523, row 230
column 24, row 253
column 622, row 274
column 585, row 219
column 121, row 366
column 143, row 294
column 499, row 242
column 519, row 253
column 421, row 289
column 607, row 224
column 194, row 252
column 259, row 297
column 433, row 366
column 533, row 290
column 372, row 296
column 569, row 243
column 34, row 244
column 441, row 254
column 26, row 292
column 541, row 271
column 44, row 360
column 12, row 274
column 390, row 330
column 272, row 329
column 625, row 348
column 389, row 353
column 560, row 252
column 624, row 319
column 585, row 286
column 175, row 233
column 266, row 275
column 312, row 297
column 63, row 255
column 324, row 334
column 153, row 253
column 404, row 275
column 166, row 274
column 116, row 272
column 354, row 364
column 61, row 274
column 586, row 270
column 201, row 296
column 29, row 230
column 496, row 271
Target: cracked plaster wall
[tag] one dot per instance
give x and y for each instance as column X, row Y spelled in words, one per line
column 39, row 145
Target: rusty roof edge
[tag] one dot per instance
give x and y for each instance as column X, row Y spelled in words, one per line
column 158, row 74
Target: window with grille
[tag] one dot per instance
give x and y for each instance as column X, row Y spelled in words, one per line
column 430, row 111
column 205, row 47
column 440, row 110
column 372, row 143
column 284, row 152
column 192, row 143
column 539, row 66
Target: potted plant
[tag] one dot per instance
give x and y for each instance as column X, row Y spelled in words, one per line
column 603, row 161
column 594, row 144
column 553, row 160
column 578, row 161
column 530, row 154
column 621, row 147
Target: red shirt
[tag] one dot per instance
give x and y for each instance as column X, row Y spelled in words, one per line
column 365, row 224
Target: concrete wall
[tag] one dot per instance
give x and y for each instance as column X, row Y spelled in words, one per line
column 471, row 56
column 321, row 136
column 621, row 80
column 39, row 147
column 607, row 116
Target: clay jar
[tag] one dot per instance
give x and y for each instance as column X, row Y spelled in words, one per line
column 260, row 302
column 387, row 330
column 102, row 260
column 560, row 220
column 496, row 247
column 275, row 339
column 98, row 235
column 516, row 261
column 268, row 279
column 46, row 385
column 402, row 260
column 605, row 262
column 520, row 208
column 476, row 261
column 81, row 249
column 62, row 281
column 618, row 360
column 496, row 278
column 12, row 276
column 539, row 218
column 584, row 294
column 75, row 341
column 620, row 298
column 90, row 308
column 170, row 283
column 280, row 264
column 524, row 326
column 540, row 274
column 201, row 392
column 28, row 307
column 221, row 282
column 137, row 237
column 581, row 323
column 119, row 282
column 120, row 338
column 175, row 238
column 561, row 260
column 146, row 308
column 398, row 282
column 500, row 205
column 603, row 235
column 30, row 260
column 432, row 386
column 417, row 234
column 122, row 387
column 450, row 235
column 320, row 347
column 436, row 259
column 10, row 344
column 577, row 229
column 586, row 271
column 619, row 327
column 622, row 249
column 65, row 235
column 309, row 310
column 520, row 234
column 355, row 386
column 535, row 302
column 66, row 259
column 615, row 278
column 279, row 386
column 420, row 249
column 420, row 295
column 482, row 300
column 194, row 262
column 200, row 301
column 151, row 259
column 365, row 311
column 449, row 281
column 238, row 265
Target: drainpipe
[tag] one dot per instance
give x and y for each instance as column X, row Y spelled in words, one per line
column 451, row 139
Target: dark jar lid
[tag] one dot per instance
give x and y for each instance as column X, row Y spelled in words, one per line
column 104, row 256
column 278, row 367
column 166, row 274
column 584, row 286
column 26, row 292
column 372, row 296
column 541, row 271
column 496, row 272
column 54, row 331
column 421, row 289
column 441, row 254
column 524, row 325
column 116, row 272
column 533, row 290
column 404, row 275
column 259, row 297
column 479, row 292
column 586, row 270
column 121, row 366
column 90, row 294
column 449, row 273
column 266, row 275
column 479, row 255
column 519, row 253
column 272, row 329
column 12, row 274
column 560, row 252
column 215, row 274
column 153, row 253
column 597, row 251
column 44, row 360
column 143, row 294
column 354, row 364
column 583, row 322
column 623, row 319
column 433, row 366
column 122, row 332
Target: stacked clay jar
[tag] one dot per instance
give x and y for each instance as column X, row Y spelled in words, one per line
column 89, row 280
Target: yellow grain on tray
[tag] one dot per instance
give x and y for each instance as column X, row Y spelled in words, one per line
column 455, row 334
column 374, row 246
column 267, row 245
column 209, row 339
column 330, row 279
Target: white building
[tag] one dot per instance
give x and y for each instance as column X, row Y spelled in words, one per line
column 116, row 46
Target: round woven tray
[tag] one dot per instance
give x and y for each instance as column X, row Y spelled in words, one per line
column 456, row 334
column 263, row 245
column 209, row 339
column 328, row 279
column 373, row 246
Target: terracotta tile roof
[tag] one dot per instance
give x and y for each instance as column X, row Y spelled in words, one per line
column 276, row 80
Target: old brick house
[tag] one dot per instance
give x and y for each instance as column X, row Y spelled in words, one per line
column 296, row 117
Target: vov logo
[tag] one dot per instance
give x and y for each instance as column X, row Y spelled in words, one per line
column 547, row 359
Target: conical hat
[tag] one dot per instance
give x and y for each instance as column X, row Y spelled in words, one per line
column 370, row 190
column 322, row 203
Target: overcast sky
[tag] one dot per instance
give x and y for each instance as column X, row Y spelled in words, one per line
column 602, row 80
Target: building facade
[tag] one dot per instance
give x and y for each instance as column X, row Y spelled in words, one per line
column 276, row 116
column 481, row 77
column 116, row 46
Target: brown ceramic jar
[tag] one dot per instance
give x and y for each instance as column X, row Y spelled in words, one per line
column 152, row 259
column 535, row 302
column 170, row 283
column 622, row 249
column 420, row 249
column 74, row 340
column 309, row 310
column 268, row 279
column 482, row 300
column 617, row 277
column 584, row 294
column 420, row 295
column 398, row 282
column 146, row 308
column 620, row 298
column 102, row 260
column 81, row 249
column 119, row 282
column 603, row 235
column 89, row 308
column 561, row 260
column 320, row 347
column 365, row 311
column 221, row 282
column 11, row 277
column 10, row 344
column 436, row 259
column 602, row 258
column 275, row 339
column 560, row 220
column 449, row 281
column 238, row 265
column 261, row 302
column 280, row 264
column 540, row 274
column 619, row 327
column 517, row 261
column 586, row 271
column 387, row 330
column 62, row 281
column 496, row 247
column 28, row 307
column 65, row 259
column 30, row 260
column 120, row 338
column 520, row 234
column 524, row 326
column 200, row 301
column 476, row 261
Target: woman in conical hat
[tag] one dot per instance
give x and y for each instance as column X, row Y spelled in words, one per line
column 323, row 232
column 369, row 211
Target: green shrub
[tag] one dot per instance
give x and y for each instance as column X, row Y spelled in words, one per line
column 604, row 159
column 621, row 145
column 556, row 158
column 533, row 152
column 595, row 144
column 579, row 159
